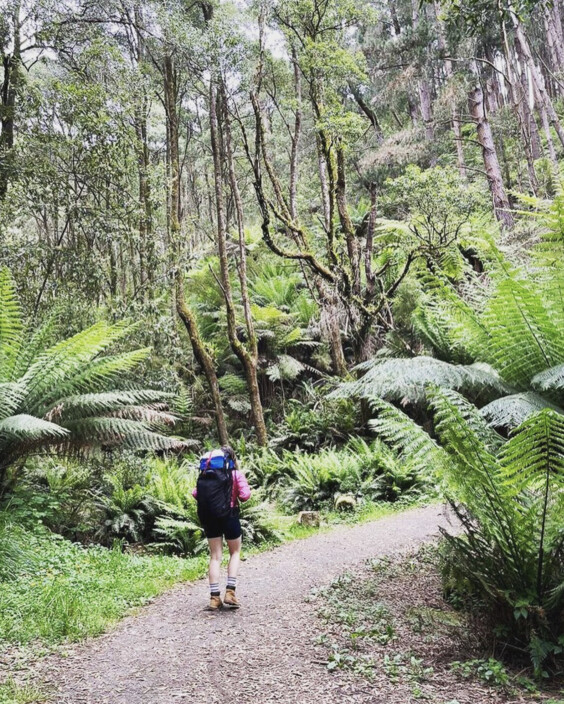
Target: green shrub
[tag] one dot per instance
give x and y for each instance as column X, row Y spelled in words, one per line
column 129, row 512
column 258, row 521
column 179, row 534
column 171, row 482
column 361, row 470
column 265, row 468
column 507, row 566
column 316, row 422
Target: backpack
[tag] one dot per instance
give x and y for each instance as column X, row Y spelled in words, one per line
column 215, row 486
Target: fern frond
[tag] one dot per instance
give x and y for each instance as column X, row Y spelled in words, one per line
column 549, row 251
column 405, row 380
column 511, row 411
column 96, row 403
column 67, row 358
column 36, row 340
column 474, row 476
column 407, row 438
column 550, row 379
column 461, row 427
column 287, row 367
column 133, row 434
column 11, row 396
column 524, row 338
column 232, row 384
column 459, row 319
column 98, row 374
column 533, row 458
column 26, row 427
column 11, row 326
column 151, row 417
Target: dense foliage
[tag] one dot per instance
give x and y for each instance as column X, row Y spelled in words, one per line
column 309, row 214
column 506, row 492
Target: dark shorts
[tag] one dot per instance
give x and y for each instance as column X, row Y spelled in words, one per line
column 229, row 527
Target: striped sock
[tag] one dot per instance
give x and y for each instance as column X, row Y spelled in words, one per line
column 231, row 583
column 214, row 589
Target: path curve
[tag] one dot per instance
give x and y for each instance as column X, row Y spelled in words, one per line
column 174, row 651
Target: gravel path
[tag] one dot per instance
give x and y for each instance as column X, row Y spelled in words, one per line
column 174, row 651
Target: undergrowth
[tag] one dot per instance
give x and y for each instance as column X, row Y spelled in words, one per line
column 388, row 623
column 69, row 592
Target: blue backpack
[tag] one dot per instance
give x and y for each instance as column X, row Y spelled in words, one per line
column 215, row 486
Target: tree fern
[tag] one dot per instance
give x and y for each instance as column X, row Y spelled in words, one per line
column 508, row 498
column 405, row 380
column 60, row 397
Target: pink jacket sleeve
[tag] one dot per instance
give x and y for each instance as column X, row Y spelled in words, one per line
column 241, row 489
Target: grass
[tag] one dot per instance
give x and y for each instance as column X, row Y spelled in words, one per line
column 14, row 693
column 70, row 592
column 370, row 511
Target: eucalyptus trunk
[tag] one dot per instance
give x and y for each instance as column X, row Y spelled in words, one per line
column 203, row 358
column 541, row 96
column 489, row 153
column 13, row 76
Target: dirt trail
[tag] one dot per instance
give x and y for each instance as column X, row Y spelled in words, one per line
column 174, row 651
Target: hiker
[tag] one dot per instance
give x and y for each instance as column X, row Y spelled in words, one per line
column 221, row 485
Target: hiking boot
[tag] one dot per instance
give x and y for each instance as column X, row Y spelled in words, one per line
column 231, row 600
column 215, row 603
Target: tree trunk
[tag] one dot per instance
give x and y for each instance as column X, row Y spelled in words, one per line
column 539, row 102
column 353, row 250
column 203, row 358
column 423, row 87
column 454, row 112
column 252, row 345
column 248, row 362
column 458, row 141
column 8, row 92
column 173, row 216
column 293, row 203
column 489, row 154
column 541, row 96
column 324, row 186
column 557, row 23
column 550, row 16
column 330, row 327
column 145, row 218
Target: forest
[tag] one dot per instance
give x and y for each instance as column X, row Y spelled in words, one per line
column 326, row 233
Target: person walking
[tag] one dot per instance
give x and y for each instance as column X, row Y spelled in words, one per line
column 221, row 486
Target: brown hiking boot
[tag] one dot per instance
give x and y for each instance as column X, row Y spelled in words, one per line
column 231, row 600
column 215, row 603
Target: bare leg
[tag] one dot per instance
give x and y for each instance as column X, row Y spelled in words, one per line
column 234, row 556
column 216, row 551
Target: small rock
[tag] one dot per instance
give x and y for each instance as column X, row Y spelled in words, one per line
column 308, row 518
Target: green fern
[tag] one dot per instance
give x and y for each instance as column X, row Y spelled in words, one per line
column 61, row 398
column 405, row 380
column 508, row 497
